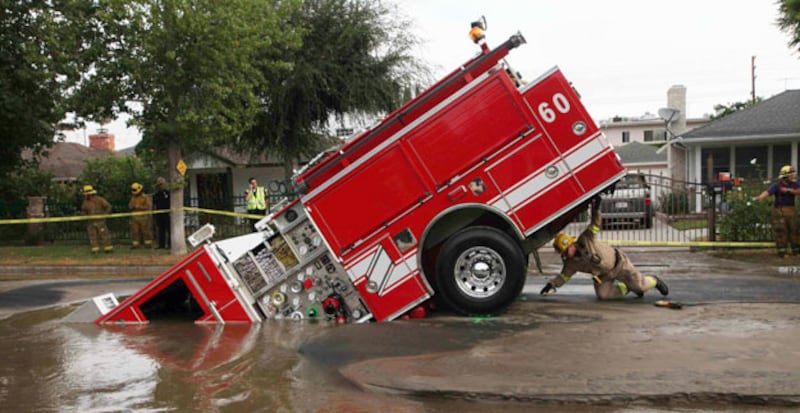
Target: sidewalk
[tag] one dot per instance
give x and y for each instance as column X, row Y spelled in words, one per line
column 82, row 270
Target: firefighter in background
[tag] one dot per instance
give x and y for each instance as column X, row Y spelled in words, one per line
column 94, row 204
column 784, row 216
column 161, row 202
column 256, row 198
column 140, row 224
column 613, row 273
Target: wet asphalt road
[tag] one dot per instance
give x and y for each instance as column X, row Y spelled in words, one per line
column 693, row 278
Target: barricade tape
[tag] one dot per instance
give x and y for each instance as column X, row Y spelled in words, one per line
column 718, row 244
column 123, row 215
column 628, row 243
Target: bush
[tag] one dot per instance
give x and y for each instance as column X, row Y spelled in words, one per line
column 745, row 220
column 674, row 203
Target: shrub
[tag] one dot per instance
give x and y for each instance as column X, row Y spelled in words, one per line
column 745, row 220
column 674, row 203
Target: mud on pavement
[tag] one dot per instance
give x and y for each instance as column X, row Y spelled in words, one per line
column 613, row 354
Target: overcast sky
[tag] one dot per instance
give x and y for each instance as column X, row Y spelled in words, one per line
column 621, row 55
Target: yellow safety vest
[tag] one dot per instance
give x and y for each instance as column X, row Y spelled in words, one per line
column 258, row 200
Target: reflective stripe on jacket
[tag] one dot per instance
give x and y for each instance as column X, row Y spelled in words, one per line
column 258, row 199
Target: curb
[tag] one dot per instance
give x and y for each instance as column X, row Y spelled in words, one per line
column 81, row 269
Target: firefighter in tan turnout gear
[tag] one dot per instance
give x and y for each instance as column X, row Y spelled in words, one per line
column 141, row 228
column 613, row 274
column 94, row 204
column 784, row 214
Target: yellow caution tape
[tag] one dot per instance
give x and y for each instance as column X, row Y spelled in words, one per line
column 123, row 215
column 718, row 244
column 226, row 213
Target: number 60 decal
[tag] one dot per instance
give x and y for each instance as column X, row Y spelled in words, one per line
column 561, row 104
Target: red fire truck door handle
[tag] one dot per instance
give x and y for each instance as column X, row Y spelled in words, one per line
column 457, row 193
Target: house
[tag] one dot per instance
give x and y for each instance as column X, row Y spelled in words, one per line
column 217, row 178
column 657, row 130
column 640, row 157
column 751, row 144
column 651, row 128
column 66, row 160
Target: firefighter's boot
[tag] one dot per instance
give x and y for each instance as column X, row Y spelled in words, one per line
column 661, row 286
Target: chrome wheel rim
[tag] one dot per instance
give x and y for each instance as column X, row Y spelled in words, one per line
column 479, row 272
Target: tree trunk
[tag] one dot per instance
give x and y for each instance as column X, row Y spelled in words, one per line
column 288, row 168
column 177, row 232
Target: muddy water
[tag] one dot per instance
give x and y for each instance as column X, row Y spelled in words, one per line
column 49, row 366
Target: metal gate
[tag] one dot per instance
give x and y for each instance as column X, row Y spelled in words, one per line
column 655, row 210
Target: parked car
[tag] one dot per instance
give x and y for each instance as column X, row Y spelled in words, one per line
column 629, row 204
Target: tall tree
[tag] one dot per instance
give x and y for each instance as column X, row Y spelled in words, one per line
column 41, row 49
column 789, row 20
column 725, row 110
column 355, row 59
column 187, row 72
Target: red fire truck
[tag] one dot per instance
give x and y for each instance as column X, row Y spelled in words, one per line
column 447, row 197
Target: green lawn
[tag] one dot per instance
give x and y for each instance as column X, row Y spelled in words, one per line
column 77, row 254
column 690, row 224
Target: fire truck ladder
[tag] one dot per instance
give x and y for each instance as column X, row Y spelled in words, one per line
column 468, row 72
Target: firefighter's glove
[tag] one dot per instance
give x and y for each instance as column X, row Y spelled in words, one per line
column 548, row 289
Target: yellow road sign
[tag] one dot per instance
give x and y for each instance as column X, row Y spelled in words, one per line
column 181, row 167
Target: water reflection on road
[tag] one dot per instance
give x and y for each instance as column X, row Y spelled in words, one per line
column 51, row 366
column 47, row 365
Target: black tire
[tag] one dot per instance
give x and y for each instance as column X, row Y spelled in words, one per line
column 480, row 271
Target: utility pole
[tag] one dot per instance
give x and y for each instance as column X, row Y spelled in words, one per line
column 753, row 78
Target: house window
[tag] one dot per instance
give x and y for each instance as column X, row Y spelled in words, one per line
column 746, row 167
column 626, row 136
column 655, row 135
column 714, row 161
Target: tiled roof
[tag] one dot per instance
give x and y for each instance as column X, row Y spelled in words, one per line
column 637, row 152
column 776, row 116
column 65, row 160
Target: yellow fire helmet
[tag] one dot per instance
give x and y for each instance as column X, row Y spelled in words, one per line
column 787, row 171
column 136, row 188
column 562, row 242
column 88, row 190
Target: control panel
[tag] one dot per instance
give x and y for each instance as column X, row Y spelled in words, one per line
column 319, row 290
column 292, row 275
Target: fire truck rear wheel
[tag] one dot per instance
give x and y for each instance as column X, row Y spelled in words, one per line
column 480, row 270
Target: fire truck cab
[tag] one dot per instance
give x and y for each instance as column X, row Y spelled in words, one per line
column 446, row 197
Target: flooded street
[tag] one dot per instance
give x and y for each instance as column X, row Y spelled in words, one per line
column 48, row 365
column 541, row 356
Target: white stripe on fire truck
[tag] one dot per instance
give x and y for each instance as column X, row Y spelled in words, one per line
column 538, row 182
column 379, row 268
column 582, row 155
